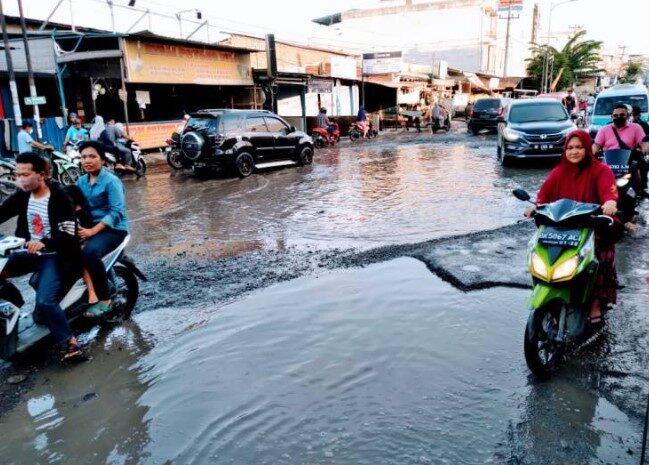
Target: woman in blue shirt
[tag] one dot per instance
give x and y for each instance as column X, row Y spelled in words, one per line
column 104, row 193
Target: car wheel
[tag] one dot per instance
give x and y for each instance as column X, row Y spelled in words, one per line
column 244, row 164
column 306, row 156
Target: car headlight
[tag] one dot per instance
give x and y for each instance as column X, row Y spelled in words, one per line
column 538, row 266
column 511, row 135
column 566, row 269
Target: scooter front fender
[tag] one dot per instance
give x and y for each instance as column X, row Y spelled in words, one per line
column 543, row 293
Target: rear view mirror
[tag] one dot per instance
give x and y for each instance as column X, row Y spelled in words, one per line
column 521, row 194
column 291, row 129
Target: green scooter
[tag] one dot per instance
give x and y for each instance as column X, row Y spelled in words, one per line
column 563, row 266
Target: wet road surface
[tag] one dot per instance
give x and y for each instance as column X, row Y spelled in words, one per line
column 385, row 364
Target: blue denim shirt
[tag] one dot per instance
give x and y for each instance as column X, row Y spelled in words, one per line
column 106, row 200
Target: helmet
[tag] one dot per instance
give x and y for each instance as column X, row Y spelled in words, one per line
column 323, row 110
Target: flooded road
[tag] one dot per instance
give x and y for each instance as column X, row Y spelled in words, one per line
column 250, row 344
column 394, row 190
column 386, row 364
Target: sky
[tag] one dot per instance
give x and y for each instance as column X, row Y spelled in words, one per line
column 617, row 23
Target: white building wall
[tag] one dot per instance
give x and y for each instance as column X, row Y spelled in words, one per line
column 458, row 35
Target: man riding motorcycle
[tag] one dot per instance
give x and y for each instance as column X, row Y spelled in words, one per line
column 46, row 221
column 323, row 121
column 621, row 134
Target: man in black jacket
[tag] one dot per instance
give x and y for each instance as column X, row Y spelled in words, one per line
column 46, row 221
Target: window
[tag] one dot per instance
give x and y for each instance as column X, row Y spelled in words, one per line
column 255, row 124
column 200, row 124
column 275, row 125
column 487, row 104
column 229, row 123
column 538, row 112
column 604, row 105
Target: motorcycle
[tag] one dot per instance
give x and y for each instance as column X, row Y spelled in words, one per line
column 72, row 151
column 358, row 128
column 563, row 266
column 626, row 178
column 436, row 125
column 321, row 137
column 7, row 177
column 64, row 169
column 137, row 163
column 20, row 328
column 173, row 152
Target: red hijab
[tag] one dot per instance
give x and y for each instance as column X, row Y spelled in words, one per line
column 587, row 181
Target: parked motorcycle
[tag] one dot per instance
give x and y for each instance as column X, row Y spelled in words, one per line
column 20, row 328
column 627, row 181
column 321, row 137
column 64, row 169
column 563, row 266
column 174, row 152
column 357, row 129
column 137, row 163
column 7, row 177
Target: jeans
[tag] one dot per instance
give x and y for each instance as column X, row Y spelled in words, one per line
column 94, row 250
column 126, row 155
column 48, row 291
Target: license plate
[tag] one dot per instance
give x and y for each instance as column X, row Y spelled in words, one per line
column 559, row 237
column 545, row 146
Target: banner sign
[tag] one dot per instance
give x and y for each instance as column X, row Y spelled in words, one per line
column 321, row 86
column 382, row 63
column 161, row 63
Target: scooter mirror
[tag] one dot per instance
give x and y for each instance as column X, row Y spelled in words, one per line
column 521, row 194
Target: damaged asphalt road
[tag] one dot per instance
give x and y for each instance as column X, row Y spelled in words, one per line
column 208, row 243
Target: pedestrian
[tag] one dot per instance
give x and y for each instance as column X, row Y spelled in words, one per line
column 26, row 142
column 569, row 101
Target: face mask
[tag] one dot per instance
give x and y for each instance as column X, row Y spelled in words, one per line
column 619, row 122
column 28, row 184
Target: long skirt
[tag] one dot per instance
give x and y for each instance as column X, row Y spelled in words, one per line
column 606, row 282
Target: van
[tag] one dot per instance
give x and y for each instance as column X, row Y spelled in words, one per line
column 630, row 94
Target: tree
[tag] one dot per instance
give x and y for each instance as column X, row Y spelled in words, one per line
column 634, row 70
column 577, row 57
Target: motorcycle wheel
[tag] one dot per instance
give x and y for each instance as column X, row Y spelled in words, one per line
column 140, row 168
column 354, row 134
column 174, row 159
column 70, row 176
column 7, row 184
column 318, row 141
column 124, row 298
column 543, row 354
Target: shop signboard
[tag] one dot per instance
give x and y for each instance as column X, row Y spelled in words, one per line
column 162, row 63
column 382, row 63
column 152, row 135
column 343, row 68
column 320, row 86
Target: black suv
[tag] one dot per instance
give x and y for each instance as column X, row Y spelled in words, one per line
column 535, row 128
column 485, row 114
column 242, row 141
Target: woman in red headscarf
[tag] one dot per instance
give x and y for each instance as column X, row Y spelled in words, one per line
column 581, row 177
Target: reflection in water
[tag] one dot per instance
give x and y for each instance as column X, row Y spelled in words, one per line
column 564, row 420
column 356, row 196
column 85, row 414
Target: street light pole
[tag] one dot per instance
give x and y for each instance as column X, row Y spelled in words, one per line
column 545, row 80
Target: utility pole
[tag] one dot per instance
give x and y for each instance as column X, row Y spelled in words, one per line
column 30, row 72
column 10, row 68
column 509, row 19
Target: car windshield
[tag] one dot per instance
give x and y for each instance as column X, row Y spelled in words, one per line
column 487, row 104
column 199, row 124
column 537, row 112
column 604, row 105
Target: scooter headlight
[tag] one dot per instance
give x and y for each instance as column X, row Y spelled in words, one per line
column 538, row 266
column 623, row 181
column 566, row 269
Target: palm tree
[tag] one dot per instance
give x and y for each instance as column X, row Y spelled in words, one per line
column 634, row 70
column 577, row 57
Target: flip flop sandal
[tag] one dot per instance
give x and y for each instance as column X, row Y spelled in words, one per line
column 73, row 353
column 97, row 310
column 596, row 321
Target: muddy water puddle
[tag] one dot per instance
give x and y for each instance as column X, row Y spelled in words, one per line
column 363, row 196
column 385, row 364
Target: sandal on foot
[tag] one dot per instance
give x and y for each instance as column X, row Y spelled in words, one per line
column 596, row 320
column 73, row 353
column 97, row 310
